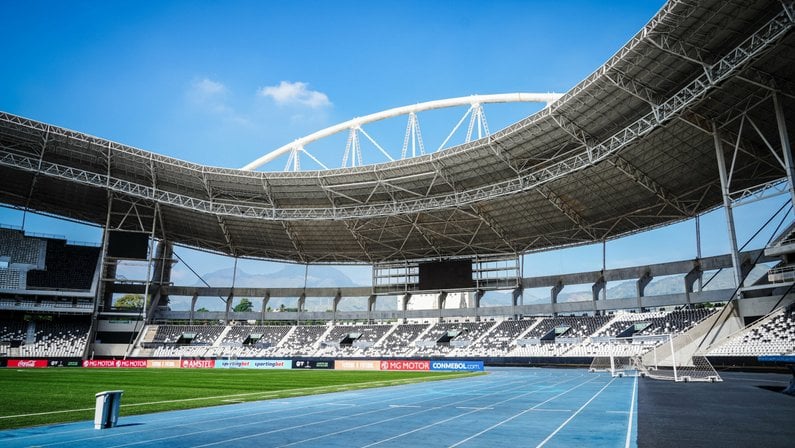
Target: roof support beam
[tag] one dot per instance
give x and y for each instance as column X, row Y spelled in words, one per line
column 634, row 88
column 296, row 242
column 566, row 209
column 684, row 50
column 648, row 183
column 492, row 225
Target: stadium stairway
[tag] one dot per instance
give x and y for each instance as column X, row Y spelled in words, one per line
column 386, row 334
column 220, row 338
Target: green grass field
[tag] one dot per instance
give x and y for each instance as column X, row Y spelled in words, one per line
column 44, row 396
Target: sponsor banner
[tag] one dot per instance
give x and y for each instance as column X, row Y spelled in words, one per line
column 115, row 363
column 3, row 362
column 197, row 363
column 162, row 363
column 349, row 364
column 252, row 364
column 271, row 364
column 312, row 364
column 232, row 364
column 457, row 365
column 65, row 363
column 777, row 358
column 410, row 364
column 27, row 363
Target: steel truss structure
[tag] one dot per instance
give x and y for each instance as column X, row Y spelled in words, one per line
column 631, row 147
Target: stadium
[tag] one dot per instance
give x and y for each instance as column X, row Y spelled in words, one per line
column 691, row 117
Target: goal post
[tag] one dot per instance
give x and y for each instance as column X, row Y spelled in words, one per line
column 663, row 357
column 678, row 359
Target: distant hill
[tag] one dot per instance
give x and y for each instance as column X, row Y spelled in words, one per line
column 328, row 276
column 665, row 285
column 289, row 276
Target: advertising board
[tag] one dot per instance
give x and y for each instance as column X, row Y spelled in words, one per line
column 406, row 364
column 252, row 364
column 312, row 364
column 162, row 363
column 471, row 366
column 351, row 364
column 27, row 363
column 115, row 363
column 197, row 363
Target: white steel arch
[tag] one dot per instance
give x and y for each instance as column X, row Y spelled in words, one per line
column 355, row 125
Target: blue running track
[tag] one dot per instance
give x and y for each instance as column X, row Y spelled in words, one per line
column 509, row 407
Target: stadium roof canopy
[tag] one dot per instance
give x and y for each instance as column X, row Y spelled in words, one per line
column 629, row 148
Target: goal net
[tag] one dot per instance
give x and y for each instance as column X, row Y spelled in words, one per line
column 662, row 357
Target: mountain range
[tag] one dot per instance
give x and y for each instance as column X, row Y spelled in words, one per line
column 331, row 277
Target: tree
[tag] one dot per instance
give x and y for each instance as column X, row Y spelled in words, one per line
column 135, row 301
column 202, row 310
column 245, row 305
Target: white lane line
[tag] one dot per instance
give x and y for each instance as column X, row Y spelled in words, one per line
column 380, row 422
column 421, row 428
column 631, row 412
column 249, row 436
column 473, row 407
column 460, row 442
column 501, row 390
column 232, row 415
column 562, row 425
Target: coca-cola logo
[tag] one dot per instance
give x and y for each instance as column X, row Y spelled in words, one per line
column 25, row 363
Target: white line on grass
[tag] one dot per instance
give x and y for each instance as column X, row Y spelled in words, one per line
column 229, row 398
column 562, row 425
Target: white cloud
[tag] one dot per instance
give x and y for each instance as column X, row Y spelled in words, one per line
column 206, row 90
column 295, row 93
column 211, row 96
column 207, row 86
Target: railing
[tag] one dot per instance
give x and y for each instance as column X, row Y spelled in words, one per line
column 782, row 274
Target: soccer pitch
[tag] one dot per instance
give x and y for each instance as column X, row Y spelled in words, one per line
column 45, row 396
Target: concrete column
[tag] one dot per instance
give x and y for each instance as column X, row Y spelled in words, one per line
column 516, row 295
column 441, row 299
column 693, row 276
column 598, row 287
column 229, row 301
column 193, row 306
column 334, row 304
column 370, row 307
column 405, row 302
column 301, row 302
column 478, row 296
column 641, row 285
column 555, row 292
column 265, row 299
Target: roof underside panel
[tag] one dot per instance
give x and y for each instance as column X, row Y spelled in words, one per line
column 631, row 147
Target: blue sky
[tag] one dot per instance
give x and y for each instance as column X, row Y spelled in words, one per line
column 222, row 83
